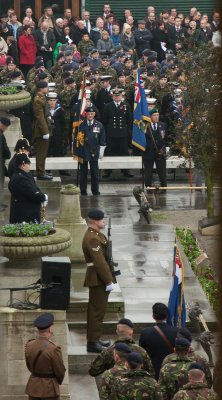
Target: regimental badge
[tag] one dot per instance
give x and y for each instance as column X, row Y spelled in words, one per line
column 96, row 248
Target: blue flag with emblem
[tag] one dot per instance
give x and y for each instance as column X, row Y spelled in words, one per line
column 176, row 304
column 140, row 116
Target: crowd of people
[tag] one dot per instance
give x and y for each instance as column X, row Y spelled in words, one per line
column 52, row 57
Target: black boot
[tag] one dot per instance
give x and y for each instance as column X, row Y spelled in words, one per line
column 95, row 347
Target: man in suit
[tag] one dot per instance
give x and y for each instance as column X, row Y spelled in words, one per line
column 142, row 37
column 45, row 41
column 44, row 360
column 176, row 35
column 87, row 22
column 158, row 340
column 205, row 34
column 98, row 279
column 156, row 150
column 117, row 122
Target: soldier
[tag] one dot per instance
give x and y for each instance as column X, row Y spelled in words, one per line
column 42, row 129
column 5, row 154
column 105, row 360
column 135, row 383
column 183, row 332
column 108, row 379
column 196, row 388
column 22, row 147
column 26, row 197
column 160, row 90
column 89, row 139
column 99, row 279
column 68, row 96
column 104, row 94
column 85, row 45
column 10, row 67
column 57, row 67
column 44, row 361
column 175, row 374
column 105, row 68
column 117, row 122
column 94, row 59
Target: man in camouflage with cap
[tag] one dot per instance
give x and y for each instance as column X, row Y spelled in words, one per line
column 196, row 388
column 105, row 360
column 174, row 374
column 135, row 383
column 44, row 361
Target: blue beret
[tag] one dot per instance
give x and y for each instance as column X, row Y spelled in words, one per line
column 135, row 357
column 126, row 321
column 44, row 321
column 159, row 309
column 122, row 347
column 41, row 84
column 195, row 366
column 182, row 343
column 21, row 159
column 95, row 214
column 185, row 333
column 5, row 121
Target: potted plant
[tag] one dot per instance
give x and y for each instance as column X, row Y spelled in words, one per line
column 13, row 96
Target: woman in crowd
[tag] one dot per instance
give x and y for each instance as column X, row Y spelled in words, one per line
column 27, row 50
column 105, row 44
column 127, row 41
column 160, row 40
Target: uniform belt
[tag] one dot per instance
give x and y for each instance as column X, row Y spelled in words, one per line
column 90, row 264
column 44, row 375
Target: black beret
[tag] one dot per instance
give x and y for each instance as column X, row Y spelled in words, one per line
column 105, row 57
column 152, row 57
column 10, row 60
column 150, row 73
column 122, row 347
column 147, row 52
column 184, row 332
column 162, row 76
column 90, row 109
column 44, row 321
column 121, row 73
column 60, row 55
column 38, row 58
column 182, row 343
column 159, row 309
column 22, row 144
column 195, row 366
column 39, row 64
column 70, row 80
column 65, row 75
column 126, row 321
column 5, row 121
column 21, row 159
column 42, row 75
column 14, row 74
column 41, row 84
column 135, row 357
column 94, row 51
column 95, row 214
column 67, row 67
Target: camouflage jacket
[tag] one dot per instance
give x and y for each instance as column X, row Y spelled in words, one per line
column 85, row 47
column 4, row 75
column 195, row 391
column 198, row 359
column 174, row 375
column 106, row 361
column 108, row 380
column 135, row 385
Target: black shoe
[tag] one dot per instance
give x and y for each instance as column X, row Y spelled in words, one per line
column 128, row 175
column 96, row 194
column 106, row 175
column 84, row 193
column 45, row 177
column 105, row 343
column 64, row 173
column 49, row 173
column 95, row 347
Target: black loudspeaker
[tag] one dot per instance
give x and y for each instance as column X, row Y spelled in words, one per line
column 55, row 279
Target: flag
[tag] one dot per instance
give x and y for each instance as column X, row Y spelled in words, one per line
column 80, row 111
column 78, row 137
column 176, row 304
column 140, row 115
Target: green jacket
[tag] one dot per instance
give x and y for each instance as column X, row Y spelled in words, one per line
column 195, row 391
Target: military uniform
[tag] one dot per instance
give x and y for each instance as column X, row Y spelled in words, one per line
column 67, row 97
column 134, row 385
column 108, row 71
column 4, row 75
column 103, row 97
column 42, row 126
column 109, row 379
column 195, row 391
column 105, row 360
column 174, row 375
column 98, row 275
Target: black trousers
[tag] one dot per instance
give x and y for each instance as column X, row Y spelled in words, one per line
column 117, row 147
column 94, row 171
column 161, row 171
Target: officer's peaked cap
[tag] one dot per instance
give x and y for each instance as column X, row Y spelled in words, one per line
column 135, row 357
column 122, row 347
column 106, row 77
column 126, row 321
column 95, row 214
column 117, row 91
column 90, row 109
column 5, row 121
column 44, row 321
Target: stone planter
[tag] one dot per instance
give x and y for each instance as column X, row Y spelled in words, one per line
column 12, row 101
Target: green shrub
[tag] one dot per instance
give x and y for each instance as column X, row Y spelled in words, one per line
column 26, row 230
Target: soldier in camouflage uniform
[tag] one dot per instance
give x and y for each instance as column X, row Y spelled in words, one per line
column 183, row 332
column 10, row 67
column 196, row 388
column 159, row 91
column 68, row 96
column 57, row 67
column 105, row 69
column 41, row 77
column 85, row 45
column 135, row 384
column 175, row 374
column 105, row 360
column 121, row 350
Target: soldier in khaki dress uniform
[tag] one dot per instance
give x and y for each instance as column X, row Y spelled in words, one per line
column 44, row 361
column 98, row 279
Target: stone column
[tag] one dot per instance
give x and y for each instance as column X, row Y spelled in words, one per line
column 13, row 132
column 16, row 328
column 71, row 220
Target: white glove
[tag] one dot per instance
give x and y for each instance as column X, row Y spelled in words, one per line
column 110, row 287
column 46, row 136
column 44, row 204
column 101, row 151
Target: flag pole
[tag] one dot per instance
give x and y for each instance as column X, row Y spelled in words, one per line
column 81, row 103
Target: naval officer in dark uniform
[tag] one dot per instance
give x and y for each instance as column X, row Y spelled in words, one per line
column 88, row 146
column 44, row 360
column 26, row 197
column 117, row 123
column 98, row 279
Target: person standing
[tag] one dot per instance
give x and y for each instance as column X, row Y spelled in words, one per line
column 42, row 129
column 89, row 145
column 5, row 154
column 98, row 279
column 44, row 360
column 27, row 50
column 155, row 151
column 26, row 197
column 22, row 146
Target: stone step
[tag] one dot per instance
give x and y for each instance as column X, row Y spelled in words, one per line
column 82, row 387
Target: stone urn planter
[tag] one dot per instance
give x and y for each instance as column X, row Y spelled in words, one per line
column 16, row 100
column 24, row 259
